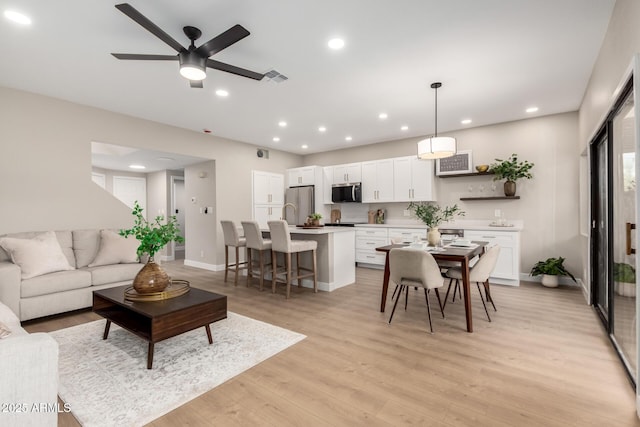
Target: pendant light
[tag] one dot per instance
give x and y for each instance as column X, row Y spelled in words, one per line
column 436, row 147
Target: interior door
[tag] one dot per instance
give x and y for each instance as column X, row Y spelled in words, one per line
column 129, row 189
column 179, row 205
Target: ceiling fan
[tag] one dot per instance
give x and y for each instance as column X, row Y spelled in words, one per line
column 193, row 60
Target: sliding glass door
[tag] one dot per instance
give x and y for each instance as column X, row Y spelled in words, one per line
column 613, row 154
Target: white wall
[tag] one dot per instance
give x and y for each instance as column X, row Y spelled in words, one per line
column 548, row 203
column 45, row 164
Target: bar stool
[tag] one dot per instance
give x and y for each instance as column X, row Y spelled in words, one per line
column 231, row 238
column 281, row 242
column 255, row 242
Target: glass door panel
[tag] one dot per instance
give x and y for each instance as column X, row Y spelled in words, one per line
column 624, row 220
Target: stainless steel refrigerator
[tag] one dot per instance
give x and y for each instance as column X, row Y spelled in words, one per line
column 302, row 198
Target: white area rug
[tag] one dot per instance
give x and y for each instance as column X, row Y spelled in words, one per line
column 107, row 383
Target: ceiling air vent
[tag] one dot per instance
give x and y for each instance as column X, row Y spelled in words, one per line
column 275, row 76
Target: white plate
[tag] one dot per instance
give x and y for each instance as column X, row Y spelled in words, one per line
column 460, row 245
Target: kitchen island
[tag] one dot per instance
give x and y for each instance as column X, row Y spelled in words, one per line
column 336, row 262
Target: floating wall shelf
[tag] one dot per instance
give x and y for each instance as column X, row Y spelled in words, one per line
column 457, row 175
column 491, row 198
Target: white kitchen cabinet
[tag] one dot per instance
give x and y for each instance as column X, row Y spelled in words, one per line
column 326, row 184
column 348, row 173
column 268, row 196
column 301, row 176
column 367, row 240
column 403, row 235
column 413, row 179
column 507, row 270
column 377, row 181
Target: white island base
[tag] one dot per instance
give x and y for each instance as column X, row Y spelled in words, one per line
column 335, row 257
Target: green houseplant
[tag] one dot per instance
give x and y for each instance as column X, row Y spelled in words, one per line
column 314, row 219
column 153, row 236
column 624, row 279
column 433, row 215
column 511, row 170
column 550, row 269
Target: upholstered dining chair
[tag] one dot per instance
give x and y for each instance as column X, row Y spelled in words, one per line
column 410, row 267
column 281, row 242
column 479, row 273
column 255, row 243
column 231, row 238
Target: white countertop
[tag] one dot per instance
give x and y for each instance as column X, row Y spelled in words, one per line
column 466, row 224
column 322, row 230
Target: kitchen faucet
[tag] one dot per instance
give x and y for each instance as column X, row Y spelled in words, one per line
column 284, row 209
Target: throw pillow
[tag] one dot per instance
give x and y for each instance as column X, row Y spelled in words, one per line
column 115, row 249
column 4, row 330
column 37, row 256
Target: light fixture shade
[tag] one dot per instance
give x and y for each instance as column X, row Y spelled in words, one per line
column 192, row 66
column 437, row 147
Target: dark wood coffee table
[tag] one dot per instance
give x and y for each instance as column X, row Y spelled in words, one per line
column 155, row 321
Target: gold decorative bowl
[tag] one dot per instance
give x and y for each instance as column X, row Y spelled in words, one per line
column 482, row 168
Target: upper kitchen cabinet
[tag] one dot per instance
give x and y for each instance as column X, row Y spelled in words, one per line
column 377, row 181
column 327, row 174
column 343, row 174
column 301, row 176
column 413, row 179
column 268, row 188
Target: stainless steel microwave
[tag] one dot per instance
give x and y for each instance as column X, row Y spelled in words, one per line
column 346, row 193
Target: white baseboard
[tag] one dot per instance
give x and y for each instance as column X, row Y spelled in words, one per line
column 203, row 265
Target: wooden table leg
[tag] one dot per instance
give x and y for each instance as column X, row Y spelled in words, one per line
column 467, row 293
column 385, row 283
column 106, row 330
column 150, row 356
column 209, row 333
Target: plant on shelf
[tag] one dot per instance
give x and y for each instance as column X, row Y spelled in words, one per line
column 433, row 215
column 624, row 279
column 314, row 219
column 153, row 236
column 511, row 170
column 550, row 269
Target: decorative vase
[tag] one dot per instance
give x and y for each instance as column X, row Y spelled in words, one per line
column 550, row 281
column 433, row 236
column 625, row 289
column 510, row 188
column 152, row 278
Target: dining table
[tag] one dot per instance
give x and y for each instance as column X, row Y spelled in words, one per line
column 448, row 253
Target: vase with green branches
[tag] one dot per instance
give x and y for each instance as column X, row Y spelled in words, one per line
column 153, row 236
column 511, row 170
column 433, row 215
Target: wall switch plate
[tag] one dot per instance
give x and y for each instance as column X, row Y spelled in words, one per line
column 201, row 254
column 406, row 212
column 201, row 210
column 497, row 213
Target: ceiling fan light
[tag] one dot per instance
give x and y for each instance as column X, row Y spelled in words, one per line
column 192, row 66
column 437, row 147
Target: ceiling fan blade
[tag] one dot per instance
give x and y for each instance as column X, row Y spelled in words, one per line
column 132, row 13
column 145, row 57
column 217, row 65
column 196, row 83
column 222, row 41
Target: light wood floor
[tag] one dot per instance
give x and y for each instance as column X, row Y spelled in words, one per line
column 543, row 361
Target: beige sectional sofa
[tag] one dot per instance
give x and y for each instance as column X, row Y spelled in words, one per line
column 34, row 283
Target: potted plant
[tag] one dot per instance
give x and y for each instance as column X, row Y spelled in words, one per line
column 550, row 269
column 314, row 219
column 153, row 236
column 433, row 215
column 624, row 279
column 511, row 170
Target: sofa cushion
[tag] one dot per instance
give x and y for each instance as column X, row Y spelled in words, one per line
column 39, row 255
column 55, row 282
column 11, row 321
column 114, row 273
column 115, row 249
column 64, row 239
column 85, row 246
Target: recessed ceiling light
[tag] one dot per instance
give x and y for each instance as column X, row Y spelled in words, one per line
column 532, row 109
column 276, row 139
column 336, row 43
column 465, row 121
column 17, row 17
column 165, row 159
column 405, row 127
column 348, row 138
column 304, row 146
column 222, row 93
column 282, row 124
column 137, row 167
column 322, row 129
column 382, row 116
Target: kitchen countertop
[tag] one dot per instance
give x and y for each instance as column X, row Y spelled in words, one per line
column 322, row 230
column 517, row 225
